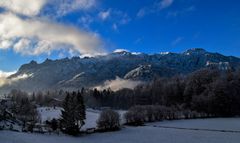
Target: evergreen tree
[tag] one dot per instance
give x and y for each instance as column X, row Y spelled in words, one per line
column 80, row 110
column 68, row 122
column 73, row 113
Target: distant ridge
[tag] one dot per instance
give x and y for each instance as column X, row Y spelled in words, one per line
column 79, row 72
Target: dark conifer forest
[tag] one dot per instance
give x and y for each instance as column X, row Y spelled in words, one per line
column 204, row 93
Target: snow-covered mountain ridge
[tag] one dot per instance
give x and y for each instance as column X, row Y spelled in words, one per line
column 77, row 72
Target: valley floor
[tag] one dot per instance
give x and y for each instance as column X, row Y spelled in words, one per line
column 219, row 130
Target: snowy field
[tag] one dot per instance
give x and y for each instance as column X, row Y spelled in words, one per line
column 48, row 113
column 151, row 133
column 231, row 124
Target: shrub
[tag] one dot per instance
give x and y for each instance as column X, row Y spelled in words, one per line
column 109, row 120
column 135, row 116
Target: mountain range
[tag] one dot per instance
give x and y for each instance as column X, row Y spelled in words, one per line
column 76, row 72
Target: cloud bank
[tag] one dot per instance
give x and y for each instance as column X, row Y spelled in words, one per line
column 6, row 74
column 33, row 35
column 5, row 80
column 118, row 84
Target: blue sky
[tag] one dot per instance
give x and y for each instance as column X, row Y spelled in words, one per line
column 149, row 26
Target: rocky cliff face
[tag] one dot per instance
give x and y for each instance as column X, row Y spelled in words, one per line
column 78, row 72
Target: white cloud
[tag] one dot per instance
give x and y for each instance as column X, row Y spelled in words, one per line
column 118, row 84
column 36, row 34
column 103, row 15
column 51, row 7
column 165, row 4
column 156, row 7
column 122, row 18
column 6, row 74
column 116, row 17
column 120, row 50
column 5, row 80
column 5, row 43
column 41, row 36
column 63, row 7
column 177, row 41
column 181, row 12
column 85, row 21
column 115, row 27
column 142, row 12
column 3, row 77
column 24, row 7
column 139, row 40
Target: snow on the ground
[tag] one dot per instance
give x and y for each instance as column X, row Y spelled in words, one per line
column 146, row 134
column 91, row 118
column 48, row 113
column 10, row 125
column 213, row 124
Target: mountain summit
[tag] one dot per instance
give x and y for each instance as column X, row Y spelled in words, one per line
column 196, row 51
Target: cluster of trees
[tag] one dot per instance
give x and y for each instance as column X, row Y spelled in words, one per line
column 138, row 115
column 40, row 98
column 109, row 120
column 204, row 93
column 213, row 92
column 24, row 105
column 73, row 113
column 24, row 110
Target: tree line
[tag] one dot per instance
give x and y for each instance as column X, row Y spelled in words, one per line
column 212, row 92
column 204, row 93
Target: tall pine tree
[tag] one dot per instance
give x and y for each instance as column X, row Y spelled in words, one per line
column 80, row 110
column 73, row 113
column 68, row 121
